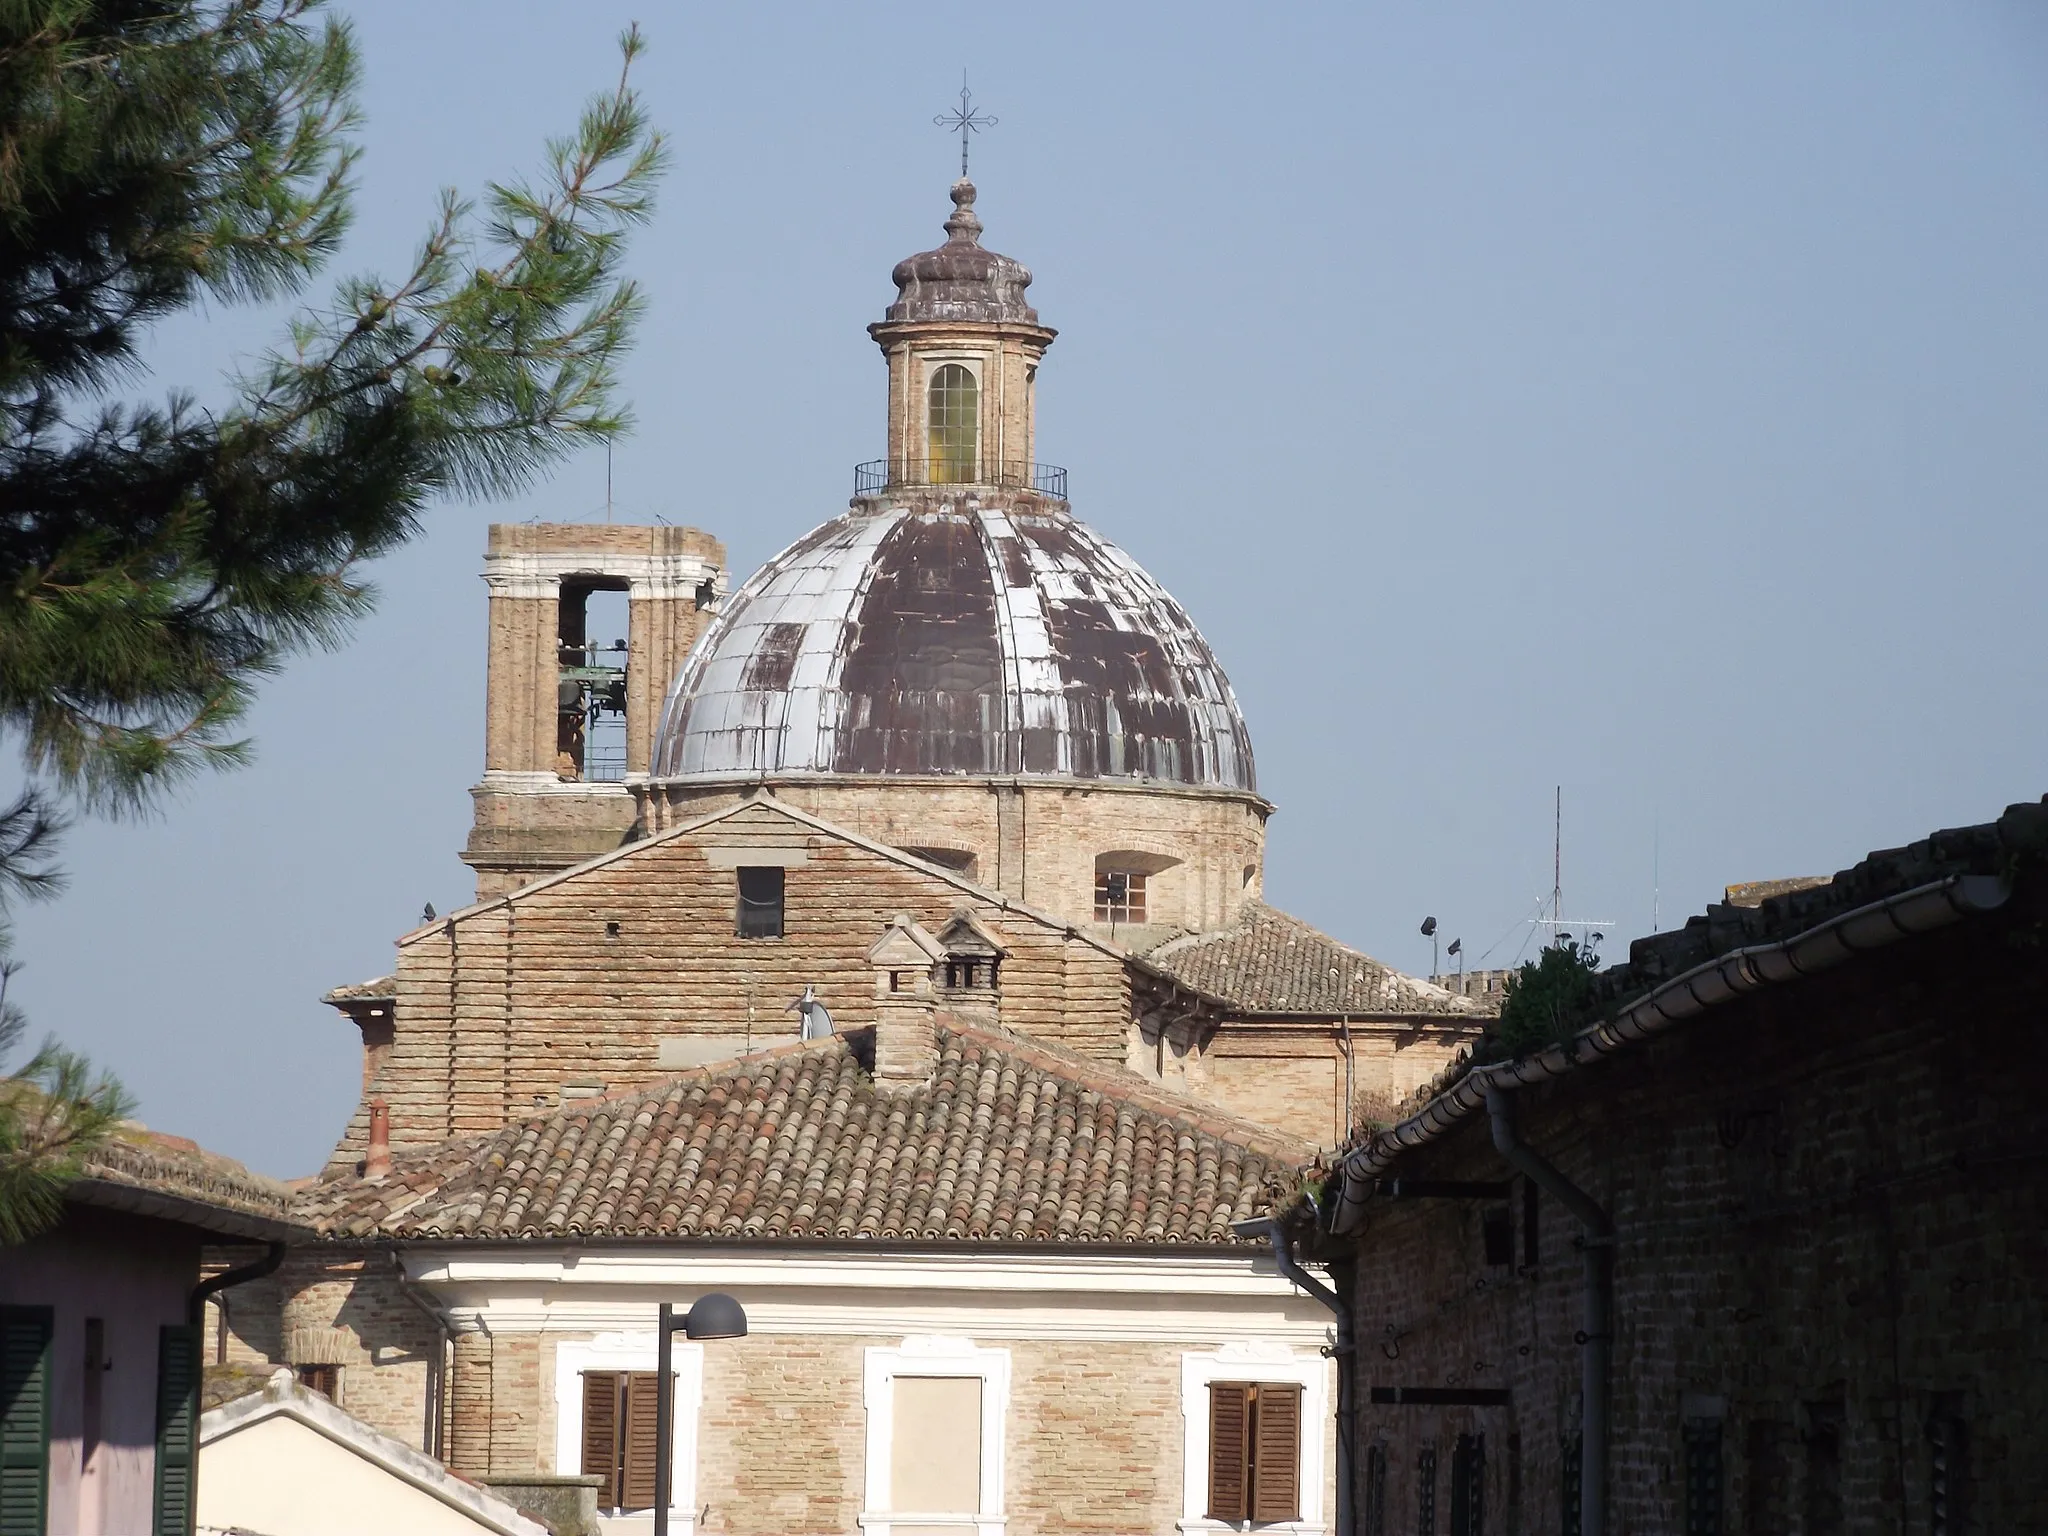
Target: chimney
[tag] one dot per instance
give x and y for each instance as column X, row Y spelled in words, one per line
column 906, row 1028
column 377, row 1161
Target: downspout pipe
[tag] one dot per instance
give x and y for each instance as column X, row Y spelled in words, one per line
column 1347, row 1401
column 433, row 1434
column 205, row 1290
column 1596, row 1332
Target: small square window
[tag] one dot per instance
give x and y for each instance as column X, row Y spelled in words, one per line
column 760, row 902
column 1119, row 896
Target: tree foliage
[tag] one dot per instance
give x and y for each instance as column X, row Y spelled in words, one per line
column 52, row 1114
column 1548, row 999
column 159, row 558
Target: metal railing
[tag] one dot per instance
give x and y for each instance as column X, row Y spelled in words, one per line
column 1014, row 475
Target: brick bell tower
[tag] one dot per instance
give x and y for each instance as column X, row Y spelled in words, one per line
column 570, row 711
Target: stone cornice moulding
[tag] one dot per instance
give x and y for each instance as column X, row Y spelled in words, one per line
column 524, row 574
column 1249, row 1276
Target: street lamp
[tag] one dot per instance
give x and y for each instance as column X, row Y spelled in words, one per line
column 715, row 1316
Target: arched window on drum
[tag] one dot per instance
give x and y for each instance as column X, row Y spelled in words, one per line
column 954, row 405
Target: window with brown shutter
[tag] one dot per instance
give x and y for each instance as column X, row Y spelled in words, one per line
column 1230, row 1445
column 618, row 1436
column 636, row 1463
column 1254, row 1451
column 601, row 1433
column 1276, row 1451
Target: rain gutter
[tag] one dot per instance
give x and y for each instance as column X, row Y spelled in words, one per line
column 1718, row 980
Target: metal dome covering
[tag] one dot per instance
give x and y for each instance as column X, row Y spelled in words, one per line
column 975, row 634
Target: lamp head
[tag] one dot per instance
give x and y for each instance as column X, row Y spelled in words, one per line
column 715, row 1316
column 1429, row 927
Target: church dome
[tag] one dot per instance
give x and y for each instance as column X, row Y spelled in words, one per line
column 949, row 632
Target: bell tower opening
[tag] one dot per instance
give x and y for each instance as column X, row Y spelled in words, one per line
column 591, row 680
column 588, row 623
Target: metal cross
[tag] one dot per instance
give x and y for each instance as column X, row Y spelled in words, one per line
column 964, row 120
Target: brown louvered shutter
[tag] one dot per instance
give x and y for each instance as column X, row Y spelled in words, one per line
column 1276, row 1454
column 1230, row 1444
column 601, row 1433
column 637, row 1485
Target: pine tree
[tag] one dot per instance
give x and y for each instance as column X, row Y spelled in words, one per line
column 158, row 559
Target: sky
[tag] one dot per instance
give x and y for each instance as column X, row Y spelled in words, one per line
column 1645, row 402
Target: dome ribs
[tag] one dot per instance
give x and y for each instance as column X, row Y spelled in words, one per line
column 955, row 631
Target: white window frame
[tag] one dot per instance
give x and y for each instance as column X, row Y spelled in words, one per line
column 633, row 1352
column 1252, row 1362
column 934, row 1355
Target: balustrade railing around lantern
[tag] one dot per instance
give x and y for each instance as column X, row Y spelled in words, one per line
column 1016, row 475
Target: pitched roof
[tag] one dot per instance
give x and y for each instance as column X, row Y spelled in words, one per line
column 150, row 1174
column 1728, row 952
column 378, row 989
column 1010, row 1142
column 1268, row 962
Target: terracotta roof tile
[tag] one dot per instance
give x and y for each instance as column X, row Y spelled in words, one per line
column 1268, row 962
column 1012, row 1141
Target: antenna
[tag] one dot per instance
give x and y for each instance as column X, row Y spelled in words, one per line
column 1656, row 885
column 1557, row 922
column 607, row 479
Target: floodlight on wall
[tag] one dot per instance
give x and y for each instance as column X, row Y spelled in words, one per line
column 714, row 1315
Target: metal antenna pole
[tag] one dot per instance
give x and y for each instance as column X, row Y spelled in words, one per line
column 1557, row 857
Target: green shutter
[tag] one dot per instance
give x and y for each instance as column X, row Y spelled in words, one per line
column 25, row 1419
column 177, row 1428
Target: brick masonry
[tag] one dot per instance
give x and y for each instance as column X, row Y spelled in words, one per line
column 1829, row 1209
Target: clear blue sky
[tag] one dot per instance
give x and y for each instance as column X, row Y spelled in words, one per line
column 1644, row 399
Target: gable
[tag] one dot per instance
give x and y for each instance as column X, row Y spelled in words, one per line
column 630, row 966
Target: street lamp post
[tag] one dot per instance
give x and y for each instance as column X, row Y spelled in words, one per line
column 714, row 1316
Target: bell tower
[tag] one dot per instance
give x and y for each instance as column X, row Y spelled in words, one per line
column 963, row 349
column 570, row 710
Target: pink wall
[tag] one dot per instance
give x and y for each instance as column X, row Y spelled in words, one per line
column 134, row 1273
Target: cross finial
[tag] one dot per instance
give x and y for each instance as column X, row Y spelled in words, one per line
column 964, row 120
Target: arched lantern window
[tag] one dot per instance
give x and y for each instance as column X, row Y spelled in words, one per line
column 954, row 419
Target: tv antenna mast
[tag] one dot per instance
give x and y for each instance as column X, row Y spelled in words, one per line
column 1557, row 922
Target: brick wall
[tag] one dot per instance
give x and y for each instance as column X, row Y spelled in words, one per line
column 341, row 1307
column 502, row 1008
column 1038, row 840
column 1830, row 1224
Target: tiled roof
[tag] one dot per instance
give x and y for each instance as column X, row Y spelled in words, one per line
column 149, row 1174
column 1011, row 1142
column 364, row 991
column 1268, row 962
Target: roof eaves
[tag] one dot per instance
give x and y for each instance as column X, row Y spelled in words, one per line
column 1717, row 980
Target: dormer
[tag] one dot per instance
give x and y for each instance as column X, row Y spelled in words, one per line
column 906, row 958
column 973, row 958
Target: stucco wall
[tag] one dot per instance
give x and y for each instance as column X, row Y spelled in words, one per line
column 133, row 1273
column 285, row 1478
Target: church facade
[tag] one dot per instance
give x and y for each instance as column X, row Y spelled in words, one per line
column 957, row 773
